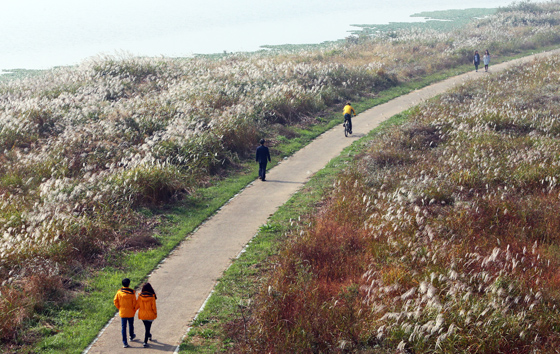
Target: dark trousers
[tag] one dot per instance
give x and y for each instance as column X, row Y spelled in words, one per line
column 476, row 66
column 124, row 321
column 262, row 170
column 147, row 327
column 348, row 117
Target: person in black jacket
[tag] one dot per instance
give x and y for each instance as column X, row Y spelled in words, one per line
column 476, row 60
column 263, row 156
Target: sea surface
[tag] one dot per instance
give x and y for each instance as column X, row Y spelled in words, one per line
column 41, row 34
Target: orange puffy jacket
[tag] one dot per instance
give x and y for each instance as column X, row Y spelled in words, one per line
column 125, row 301
column 147, row 305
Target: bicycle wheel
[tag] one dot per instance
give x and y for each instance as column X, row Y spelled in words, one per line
column 346, row 128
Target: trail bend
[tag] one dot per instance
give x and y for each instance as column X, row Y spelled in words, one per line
column 184, row 280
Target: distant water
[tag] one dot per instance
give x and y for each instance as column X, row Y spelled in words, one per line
column 40, row 34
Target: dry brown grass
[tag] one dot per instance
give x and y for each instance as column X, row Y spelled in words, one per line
column 443, row 238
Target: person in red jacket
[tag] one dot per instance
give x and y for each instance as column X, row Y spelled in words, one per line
column 125, row 301
column 148, row 310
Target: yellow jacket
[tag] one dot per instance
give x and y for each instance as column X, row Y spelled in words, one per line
column 348, row 110
column 125, row 301
column 147, row 305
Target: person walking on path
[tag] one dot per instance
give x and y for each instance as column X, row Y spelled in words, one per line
column 146, row 305
column 348, row 111
column 476, row 60
column 263, row 157
column 125, row 301
column 486, row 60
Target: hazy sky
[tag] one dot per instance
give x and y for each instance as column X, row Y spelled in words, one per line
column 45, row 33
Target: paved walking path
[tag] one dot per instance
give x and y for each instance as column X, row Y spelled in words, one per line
column 186, row 278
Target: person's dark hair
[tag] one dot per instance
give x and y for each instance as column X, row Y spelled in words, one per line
column 487, row 52
column 261, row 142
column 348, row 103
column 126, row 282
column 147, row 288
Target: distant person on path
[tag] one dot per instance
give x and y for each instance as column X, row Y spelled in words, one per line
column 125, row 301
column 148, row 312
column 348, row 111
column 476, row 60
column 263, row 157
column 486, row 60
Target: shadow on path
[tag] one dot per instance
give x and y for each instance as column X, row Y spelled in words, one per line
column 162, row 347
column 357, row 135
column 278, row 181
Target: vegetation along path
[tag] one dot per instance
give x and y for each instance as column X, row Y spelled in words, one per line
column 185, row 279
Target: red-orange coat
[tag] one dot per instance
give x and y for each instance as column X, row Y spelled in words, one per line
column 147, row 305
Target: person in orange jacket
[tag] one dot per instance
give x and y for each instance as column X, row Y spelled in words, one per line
column 125, row 301
column 148, row 310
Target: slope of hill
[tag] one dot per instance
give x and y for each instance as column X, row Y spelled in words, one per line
column 85, row 150
column 441, row 237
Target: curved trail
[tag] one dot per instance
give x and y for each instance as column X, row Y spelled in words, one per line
column 185, row 279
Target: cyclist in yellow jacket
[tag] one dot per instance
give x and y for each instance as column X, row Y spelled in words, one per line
column 348, row 111
column 125, row 301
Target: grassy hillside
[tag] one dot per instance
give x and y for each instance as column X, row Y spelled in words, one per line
column 89, row 154
column 442, row 236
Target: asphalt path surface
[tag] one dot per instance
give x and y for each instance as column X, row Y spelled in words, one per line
column 184, row 280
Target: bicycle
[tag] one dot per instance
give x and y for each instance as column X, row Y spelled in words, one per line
column 346, row 128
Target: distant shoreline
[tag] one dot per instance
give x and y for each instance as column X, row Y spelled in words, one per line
column 67, row 55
